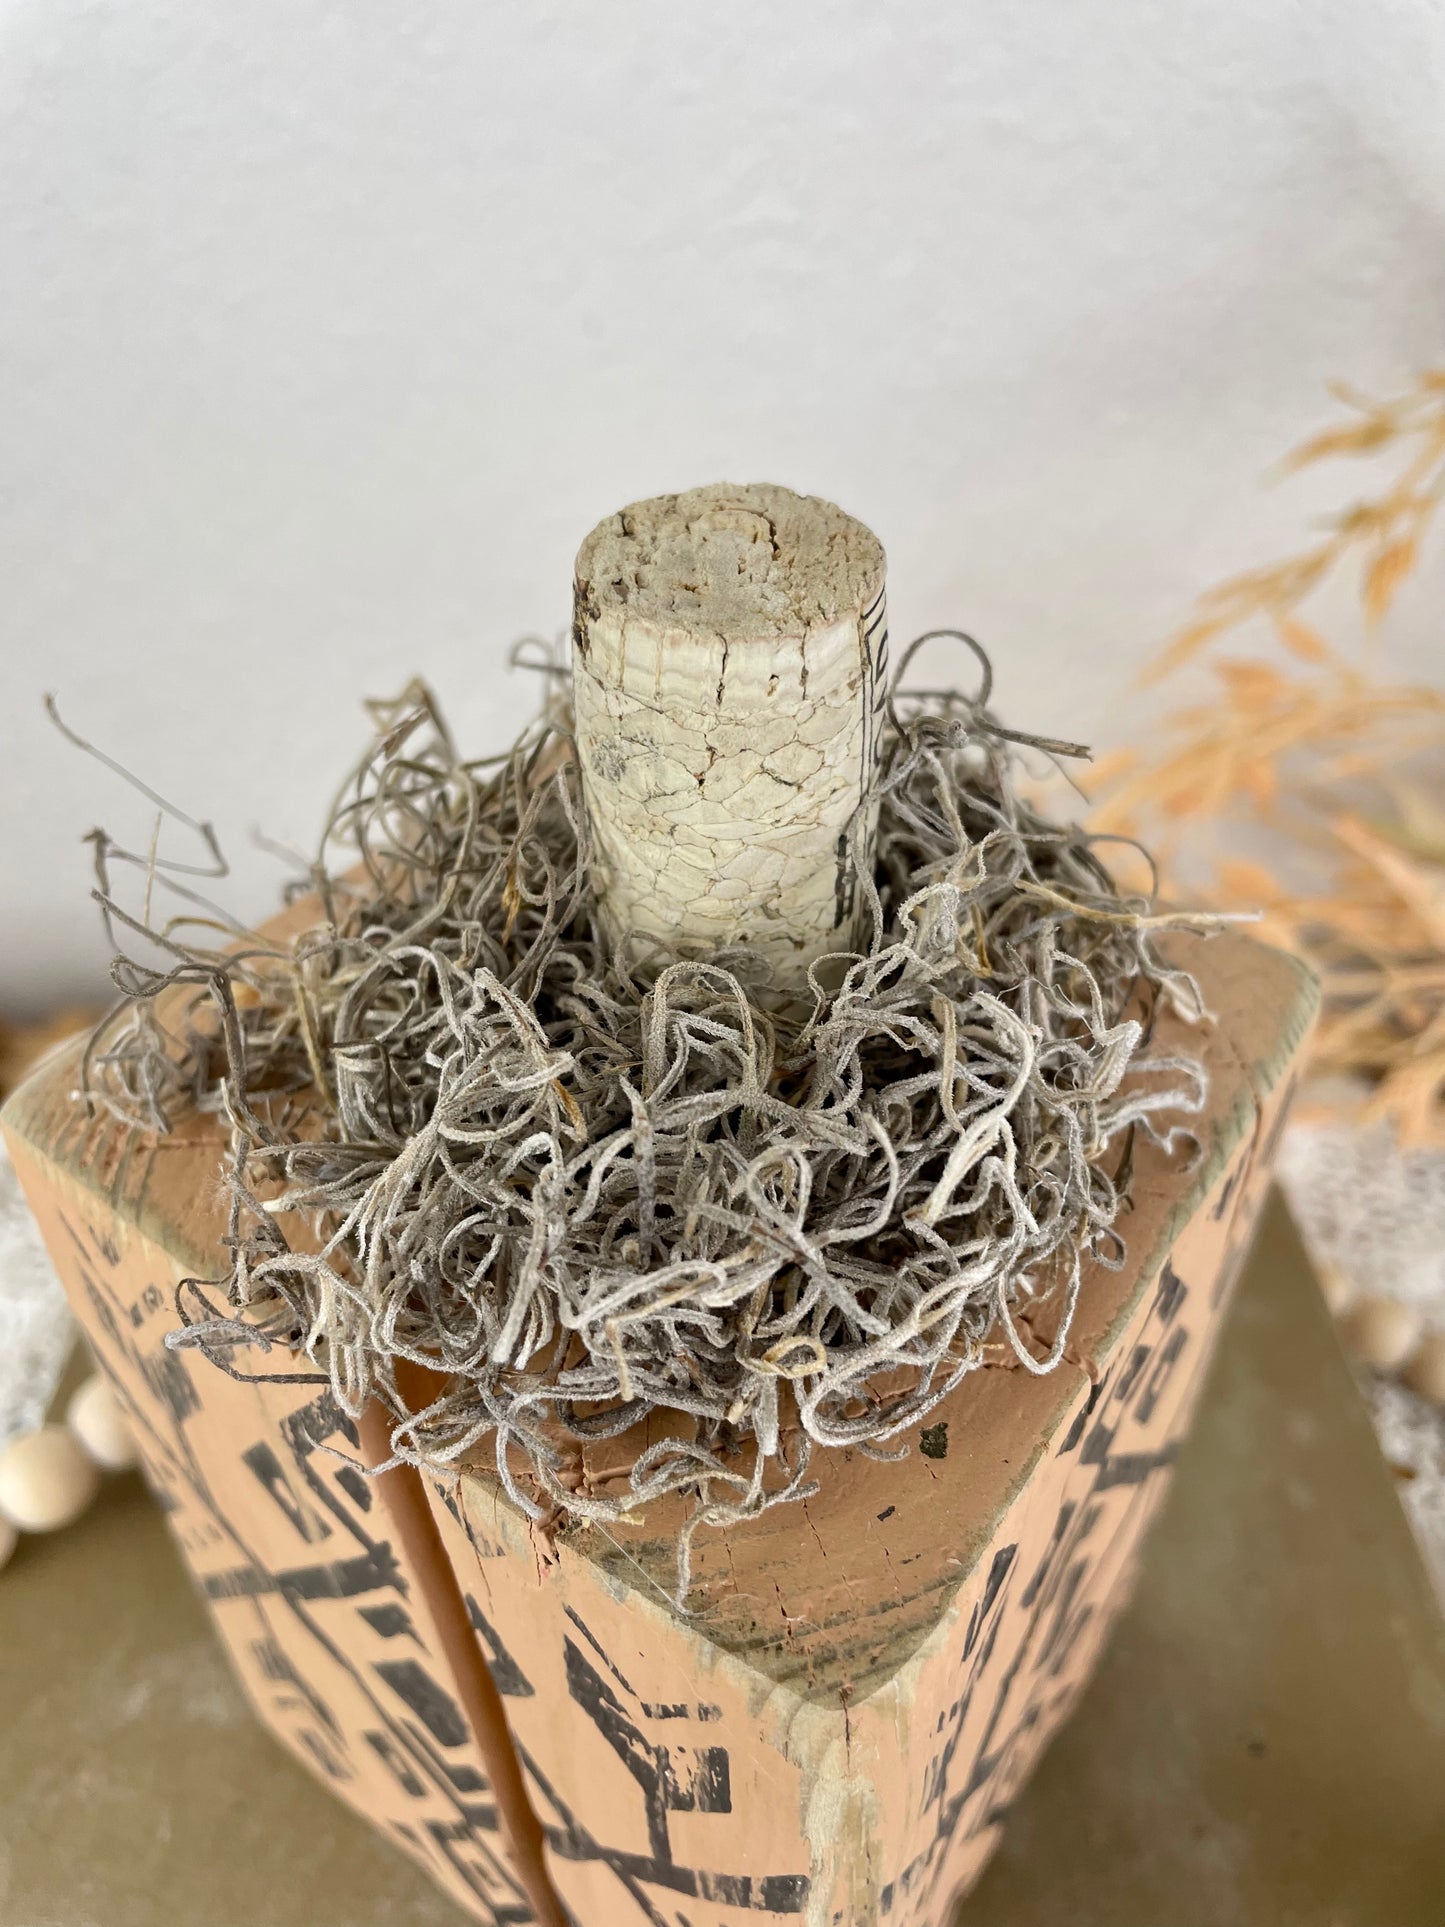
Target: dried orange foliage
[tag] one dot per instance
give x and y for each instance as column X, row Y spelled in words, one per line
column 1384, row 531
column 1299, row 759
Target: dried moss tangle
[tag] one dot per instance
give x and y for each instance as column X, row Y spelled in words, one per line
column 584, row 1194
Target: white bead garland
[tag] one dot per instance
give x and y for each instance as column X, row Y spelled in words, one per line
column 1424, row 1372
column 1386, row 1334
column 97, row 1418
column 46, row 1480
column 49, row 1476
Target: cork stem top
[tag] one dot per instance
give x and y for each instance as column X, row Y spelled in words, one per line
column 750, row 562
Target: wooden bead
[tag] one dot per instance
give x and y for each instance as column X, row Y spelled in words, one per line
column 1338, row 1288
column 1380, row 1332
column 45, row 1480
column 97, row 1418
column 1424, row 1371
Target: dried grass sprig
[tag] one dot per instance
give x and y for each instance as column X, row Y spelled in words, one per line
column 1329, row 773
column 1386, row 529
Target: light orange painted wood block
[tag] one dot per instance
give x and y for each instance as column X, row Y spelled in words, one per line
column 328, row 1587
column 834, row 1733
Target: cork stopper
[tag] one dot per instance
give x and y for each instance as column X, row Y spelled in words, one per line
column 730, row 650
column 752, row 563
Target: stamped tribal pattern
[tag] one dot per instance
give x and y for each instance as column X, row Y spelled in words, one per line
column 1043, row 1611
column 290, row 1547
column 673, row 1809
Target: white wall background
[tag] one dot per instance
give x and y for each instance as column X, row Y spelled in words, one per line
column 327, row 330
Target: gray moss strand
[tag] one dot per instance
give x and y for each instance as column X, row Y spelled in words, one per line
column 587, row 1191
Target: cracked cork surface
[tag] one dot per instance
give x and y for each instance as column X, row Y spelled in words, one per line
column 729, row 664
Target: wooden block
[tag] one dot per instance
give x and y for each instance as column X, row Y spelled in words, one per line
column 834, row 1734
column 327, row 1587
